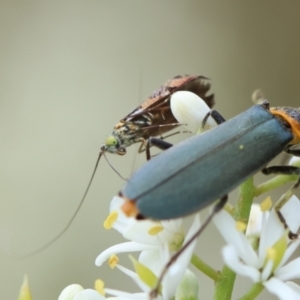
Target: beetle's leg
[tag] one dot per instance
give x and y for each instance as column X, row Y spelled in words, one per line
column 217, row 207
column 163, row 137
column 284, row 170
column 219, row 119
column 152, row 141
column 295, row 152
column 142, row 145
column 159, row 143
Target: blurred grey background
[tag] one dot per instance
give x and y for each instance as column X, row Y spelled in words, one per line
column 70, row 70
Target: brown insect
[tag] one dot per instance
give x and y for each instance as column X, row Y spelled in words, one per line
column 154, row 116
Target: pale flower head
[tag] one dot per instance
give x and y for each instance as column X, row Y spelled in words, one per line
column 156, row 242
column 267, row 263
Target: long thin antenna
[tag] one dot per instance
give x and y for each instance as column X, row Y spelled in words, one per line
column 68, row 224
column 114, row 168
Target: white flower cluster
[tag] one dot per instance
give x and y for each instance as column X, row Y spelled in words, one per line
column 155, row 241
column 261, row 254
column 264, row 262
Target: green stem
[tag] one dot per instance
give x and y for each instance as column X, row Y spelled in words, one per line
column 245, row 199
column 274, row 183
column 204, row 267
column 224, row 284
column 255, row 290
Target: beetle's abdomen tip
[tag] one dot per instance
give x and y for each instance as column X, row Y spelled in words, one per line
column 129, row 208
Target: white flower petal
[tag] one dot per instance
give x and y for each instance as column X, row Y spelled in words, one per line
column 281, row 290
column 177, row 270
column 153, row 260
column 294, row 286
column 127, row 272
column 116, row 203
column 165, row 254
column 89, row 294
column 69, row 292
column 290, row 212
column 139, row 232
column 290, row 271
column 127, row 296
column 255, row 220
column 289, row 252
column 172, row 225
column 120, row 248
column 271, row 232
column 135, row 277
column 227, row 227
column 267, row 270
column 232, row 260
column 123, row 221
column 188, row 108
column 295, row 161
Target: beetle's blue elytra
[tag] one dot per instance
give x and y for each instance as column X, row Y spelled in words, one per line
column 199, row 170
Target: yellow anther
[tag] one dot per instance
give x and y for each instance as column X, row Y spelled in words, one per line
column 271, row 254
column 266, row 204
column 241, row 147
column 110, row 220
column 155, row 230
column 241, row 226
column 277, row 251
column 99, row 287
column 113, row 261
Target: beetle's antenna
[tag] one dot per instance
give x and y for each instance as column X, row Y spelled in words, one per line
column 53, row 240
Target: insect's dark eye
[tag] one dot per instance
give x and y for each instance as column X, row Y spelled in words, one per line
column 111, row 141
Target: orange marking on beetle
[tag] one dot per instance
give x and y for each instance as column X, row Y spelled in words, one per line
column 295, row 125
column 129, row 208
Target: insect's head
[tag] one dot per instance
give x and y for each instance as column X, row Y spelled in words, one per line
column 113, row 145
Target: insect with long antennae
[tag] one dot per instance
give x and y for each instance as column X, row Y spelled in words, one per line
column 152, row 118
